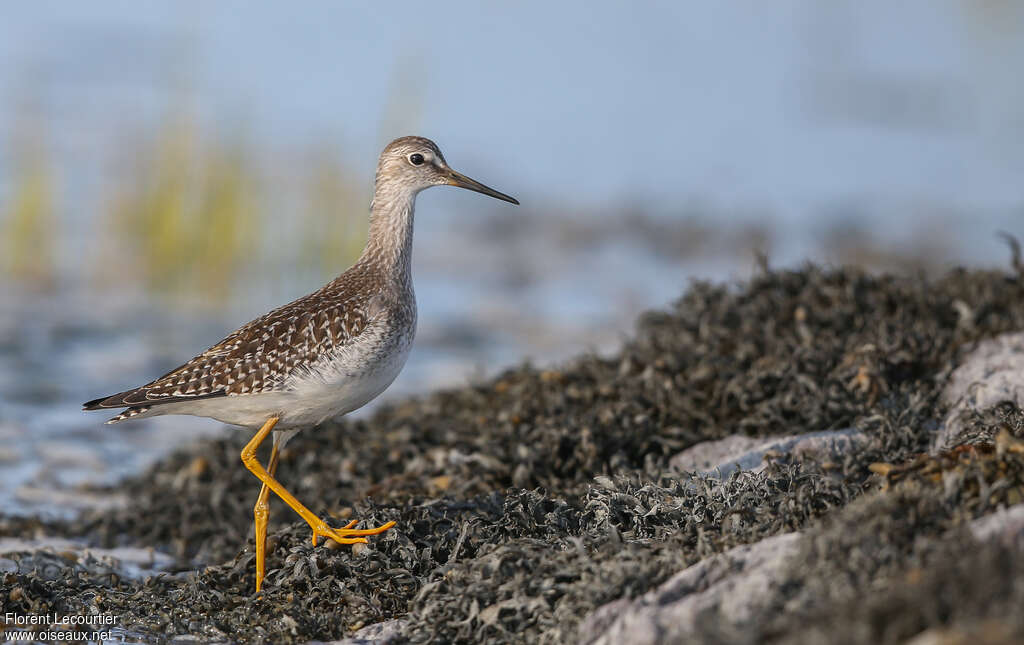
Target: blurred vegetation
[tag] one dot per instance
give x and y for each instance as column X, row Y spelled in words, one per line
column 337, row 210
column 190, row 213
column 197, row 213
column 189, row 217
column 28, row 216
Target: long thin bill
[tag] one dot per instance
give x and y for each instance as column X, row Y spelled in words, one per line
column 462, row 181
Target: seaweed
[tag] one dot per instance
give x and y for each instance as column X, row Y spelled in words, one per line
column 527, row 500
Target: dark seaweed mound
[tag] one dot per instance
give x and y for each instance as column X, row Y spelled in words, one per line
column 529, row 500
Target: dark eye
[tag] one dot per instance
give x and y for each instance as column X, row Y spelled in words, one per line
column 416, row 159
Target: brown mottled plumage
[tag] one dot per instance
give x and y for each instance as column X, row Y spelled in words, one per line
column 261, row 355
column 279, row 351
column 320, row 356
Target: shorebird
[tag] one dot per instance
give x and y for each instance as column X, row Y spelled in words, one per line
column 321, row 356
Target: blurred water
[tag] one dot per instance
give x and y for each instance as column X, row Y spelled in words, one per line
column 786, row 104
column 64, row 349
column 799, row 128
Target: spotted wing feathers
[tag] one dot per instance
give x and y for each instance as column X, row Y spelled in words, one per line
column 260, row 356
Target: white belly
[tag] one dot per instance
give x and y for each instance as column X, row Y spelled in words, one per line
column 347, row 382
column 349, row 379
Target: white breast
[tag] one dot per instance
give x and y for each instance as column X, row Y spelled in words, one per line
column 351, row 377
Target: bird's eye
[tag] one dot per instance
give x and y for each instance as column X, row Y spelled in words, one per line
column 416, row 159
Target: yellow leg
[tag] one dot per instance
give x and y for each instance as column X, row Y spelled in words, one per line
column 345, row 535
column 261, row 514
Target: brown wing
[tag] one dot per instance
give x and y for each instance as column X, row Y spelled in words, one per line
column 259, row 356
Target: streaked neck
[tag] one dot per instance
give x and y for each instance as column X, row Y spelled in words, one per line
column 389, row 243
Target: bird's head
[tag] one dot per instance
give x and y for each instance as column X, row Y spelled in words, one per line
column 416, row 163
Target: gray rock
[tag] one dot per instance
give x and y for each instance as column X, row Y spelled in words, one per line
column 1005, row 526
column 723, row 457
column 708, row 455
column 736, row 584
column 991, row 374
column 375, row 634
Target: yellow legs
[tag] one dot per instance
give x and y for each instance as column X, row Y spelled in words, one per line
column 344, row 535
column 261, row 513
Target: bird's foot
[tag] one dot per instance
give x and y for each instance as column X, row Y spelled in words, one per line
column 346, row 534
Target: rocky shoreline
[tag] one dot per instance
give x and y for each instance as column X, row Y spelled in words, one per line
column 785, row 460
